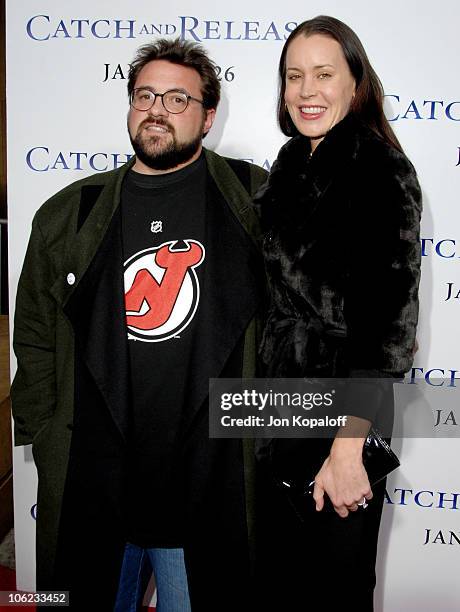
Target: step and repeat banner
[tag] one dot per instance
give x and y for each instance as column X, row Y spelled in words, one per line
column 67, row 66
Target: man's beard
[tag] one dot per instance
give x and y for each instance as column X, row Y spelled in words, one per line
column 170, row 155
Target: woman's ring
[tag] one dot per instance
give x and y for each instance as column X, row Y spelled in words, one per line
column 363, row 504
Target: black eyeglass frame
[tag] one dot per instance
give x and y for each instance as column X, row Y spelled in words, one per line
column 160, row 95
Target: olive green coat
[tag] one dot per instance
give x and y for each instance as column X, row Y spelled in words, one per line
column 58, row 258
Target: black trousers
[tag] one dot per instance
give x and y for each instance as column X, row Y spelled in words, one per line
column 324, row 563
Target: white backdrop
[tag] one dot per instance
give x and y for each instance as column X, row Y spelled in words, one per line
column 67, row 106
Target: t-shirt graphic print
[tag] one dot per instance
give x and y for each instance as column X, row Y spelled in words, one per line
column 162, row 289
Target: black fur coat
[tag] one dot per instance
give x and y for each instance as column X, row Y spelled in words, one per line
column 342, row 253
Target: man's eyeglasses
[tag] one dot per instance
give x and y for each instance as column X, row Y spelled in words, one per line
column 174, row 101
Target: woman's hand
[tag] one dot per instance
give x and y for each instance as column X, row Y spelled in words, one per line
column 343, row 476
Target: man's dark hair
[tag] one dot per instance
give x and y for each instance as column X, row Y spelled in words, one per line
column 183, row 53
column 367, row 104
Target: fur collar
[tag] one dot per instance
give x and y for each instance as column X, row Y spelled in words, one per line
column 298, row 181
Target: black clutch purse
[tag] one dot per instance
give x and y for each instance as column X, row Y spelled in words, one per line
column 296, row 476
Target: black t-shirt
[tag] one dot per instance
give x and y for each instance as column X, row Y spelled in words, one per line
column 163, row 220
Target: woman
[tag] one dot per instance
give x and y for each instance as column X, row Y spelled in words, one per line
column 340, row 214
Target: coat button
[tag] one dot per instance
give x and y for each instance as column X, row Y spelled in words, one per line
column 70, row 278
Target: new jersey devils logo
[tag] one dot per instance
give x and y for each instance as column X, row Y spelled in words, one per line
column 161, row 290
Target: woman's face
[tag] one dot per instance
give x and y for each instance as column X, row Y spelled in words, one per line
column 319, row 85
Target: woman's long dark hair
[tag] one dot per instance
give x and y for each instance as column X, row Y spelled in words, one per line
column 367, row 103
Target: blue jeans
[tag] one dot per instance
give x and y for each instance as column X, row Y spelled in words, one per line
column 170, row 578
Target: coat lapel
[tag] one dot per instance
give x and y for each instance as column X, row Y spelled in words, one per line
column 233, row 284
column 87, row 239
column 234, row 195
column 95, row 303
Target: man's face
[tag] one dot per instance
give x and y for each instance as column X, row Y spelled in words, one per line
column 163, row 141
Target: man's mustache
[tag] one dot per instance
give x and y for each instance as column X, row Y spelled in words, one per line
column 160, row 122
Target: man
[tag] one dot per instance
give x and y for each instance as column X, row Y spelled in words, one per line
column 138, row 286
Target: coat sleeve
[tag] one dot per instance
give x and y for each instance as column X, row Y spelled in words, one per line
column 381, row 298
column 33, row 392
